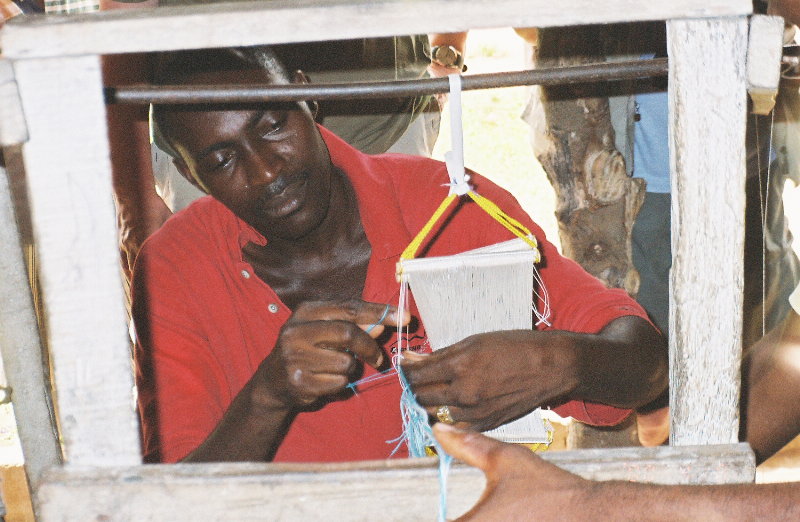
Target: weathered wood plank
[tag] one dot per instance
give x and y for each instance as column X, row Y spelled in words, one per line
column 12, row 122
column 21, row 348
column 402, row 490
column 707, row 100
column 261, row 22
column 69, row 182
column 764, row 50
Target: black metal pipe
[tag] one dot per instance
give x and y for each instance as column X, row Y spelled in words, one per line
column 185, row 94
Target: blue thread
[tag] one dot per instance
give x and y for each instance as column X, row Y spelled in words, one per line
column 380, row 375
column 418, row 434
column 372, row 378
column 385, row 313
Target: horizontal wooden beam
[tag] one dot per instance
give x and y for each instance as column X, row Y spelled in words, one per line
column 263, row 22
column 397, row 490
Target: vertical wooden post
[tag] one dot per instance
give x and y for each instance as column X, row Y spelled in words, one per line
column 21, row 345
column 21, row 348
column 707, row 101
column 69, row 179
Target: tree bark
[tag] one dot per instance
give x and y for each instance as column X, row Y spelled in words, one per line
column 597, row 201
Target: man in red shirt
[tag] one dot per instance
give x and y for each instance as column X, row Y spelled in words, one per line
column 251, row 306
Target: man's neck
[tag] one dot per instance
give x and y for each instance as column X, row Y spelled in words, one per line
column 340, row 227
column 329, row 263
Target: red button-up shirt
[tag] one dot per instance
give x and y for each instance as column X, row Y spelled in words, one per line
column 205, row 321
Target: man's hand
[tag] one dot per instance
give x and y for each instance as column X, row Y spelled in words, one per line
column 519, row 485
column 489, row 379
column 320, row 348
column 316, row 355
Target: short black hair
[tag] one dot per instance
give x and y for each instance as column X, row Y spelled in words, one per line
column 174, row 67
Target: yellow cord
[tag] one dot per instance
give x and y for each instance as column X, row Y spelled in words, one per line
column 411, row 250
column 516, row 228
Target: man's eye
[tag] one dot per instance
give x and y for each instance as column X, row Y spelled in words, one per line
column 273, row 126
column 220, row 162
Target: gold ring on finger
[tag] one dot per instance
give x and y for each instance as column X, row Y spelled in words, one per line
column 443, row 414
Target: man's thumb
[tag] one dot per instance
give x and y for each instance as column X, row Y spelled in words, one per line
column 469, row 447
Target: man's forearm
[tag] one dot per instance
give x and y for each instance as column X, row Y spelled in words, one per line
column 625, row 365
column 771, row 387
column 251, row 430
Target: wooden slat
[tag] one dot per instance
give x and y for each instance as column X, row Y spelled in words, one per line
column 21, row 348
column 707, row 101
column 68, row 172
column 12, row 122
column 764, row 50
column 401, row 491
column 254, row 22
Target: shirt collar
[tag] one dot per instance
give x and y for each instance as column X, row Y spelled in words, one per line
column 372, row 179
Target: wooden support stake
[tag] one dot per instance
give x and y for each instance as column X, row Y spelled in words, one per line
column 22, row 350
column 69, row 181
column 12, row 122
column 707, row 102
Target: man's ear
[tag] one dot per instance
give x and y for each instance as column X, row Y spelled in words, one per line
column 313, row 106
column 183, row 168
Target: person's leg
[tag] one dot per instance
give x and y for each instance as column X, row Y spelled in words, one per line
column 652, row 257
column 420, row 137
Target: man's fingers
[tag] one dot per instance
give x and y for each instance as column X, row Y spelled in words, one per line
column 355, row 311
column 345, row 336
column 426, row 369
column 414, row 356
column 373, row 330
column 492, row 456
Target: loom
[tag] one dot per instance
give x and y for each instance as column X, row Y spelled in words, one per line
column 482, row 290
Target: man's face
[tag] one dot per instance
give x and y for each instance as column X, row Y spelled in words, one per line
column 265, row 162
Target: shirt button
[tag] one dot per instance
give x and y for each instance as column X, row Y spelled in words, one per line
column 273, row 308
column 245, row 274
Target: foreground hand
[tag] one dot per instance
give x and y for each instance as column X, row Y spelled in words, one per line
column 489, row 379
column 319, row 349
column 519, row 485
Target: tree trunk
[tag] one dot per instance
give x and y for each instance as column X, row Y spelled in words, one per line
column 597, row 201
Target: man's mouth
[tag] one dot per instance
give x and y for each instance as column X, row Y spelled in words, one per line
column 283, row 196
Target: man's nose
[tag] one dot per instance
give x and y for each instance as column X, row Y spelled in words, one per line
column 265, row 166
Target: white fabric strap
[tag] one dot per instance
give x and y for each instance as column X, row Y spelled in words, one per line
column 794, row 300
column 454, row 159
